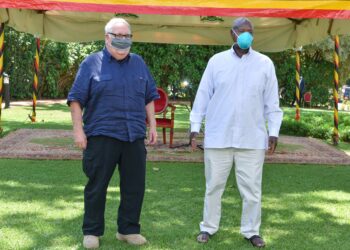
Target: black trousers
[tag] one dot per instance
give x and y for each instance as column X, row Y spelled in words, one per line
column 99, row 162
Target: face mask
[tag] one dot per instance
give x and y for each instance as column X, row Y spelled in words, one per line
column 244, row 40
column 121, row 43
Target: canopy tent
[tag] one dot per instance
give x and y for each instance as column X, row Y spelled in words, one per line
column 279, row 25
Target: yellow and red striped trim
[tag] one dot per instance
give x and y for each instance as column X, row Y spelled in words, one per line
column 293, row 9
column 36, row 78
column 335, row 136
column 297, row 85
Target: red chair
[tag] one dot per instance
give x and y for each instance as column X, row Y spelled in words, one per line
column 307, row 98
column 161, row 108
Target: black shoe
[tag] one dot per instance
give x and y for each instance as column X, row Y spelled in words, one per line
column 203, row 237
column 256, row 241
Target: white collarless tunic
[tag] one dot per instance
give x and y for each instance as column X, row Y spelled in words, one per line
column 238, row 98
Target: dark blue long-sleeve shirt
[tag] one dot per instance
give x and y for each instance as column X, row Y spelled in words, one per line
column 113, row 95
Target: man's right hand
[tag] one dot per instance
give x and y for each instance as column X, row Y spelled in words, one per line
column 80, row 138
column 78, row 132
column 193, row 141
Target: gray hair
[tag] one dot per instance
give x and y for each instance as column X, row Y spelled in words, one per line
column 116, row 20
column 241, row 21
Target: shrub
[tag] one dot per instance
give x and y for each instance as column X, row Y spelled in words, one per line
column 323, row 132
column 345, row 135
column 292, row 127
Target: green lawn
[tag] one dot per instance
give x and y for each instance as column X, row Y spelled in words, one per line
column 54, row 116
column 304, row 207
column 57, row 116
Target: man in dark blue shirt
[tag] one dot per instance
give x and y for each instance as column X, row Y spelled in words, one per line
column 112, row 96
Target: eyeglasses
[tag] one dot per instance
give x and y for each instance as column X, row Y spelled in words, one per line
column 125, row 36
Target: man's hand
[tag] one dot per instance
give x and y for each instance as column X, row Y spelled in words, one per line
column 272, row 144
column 78, row 132
column 152, row 136
column 152, row 132
column 193, row 141
column 80, row 138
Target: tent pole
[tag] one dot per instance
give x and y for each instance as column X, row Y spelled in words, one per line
column 335, row 136
column 36, row 78
column 2, row 32
column 297, row 87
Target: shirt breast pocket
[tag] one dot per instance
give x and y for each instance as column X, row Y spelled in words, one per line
column 102, row 84
column 140, row 86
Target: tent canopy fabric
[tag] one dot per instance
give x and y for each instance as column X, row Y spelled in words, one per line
column 278, row 25
column 272, row 8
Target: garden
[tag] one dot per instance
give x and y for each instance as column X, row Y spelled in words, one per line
column 305, row 206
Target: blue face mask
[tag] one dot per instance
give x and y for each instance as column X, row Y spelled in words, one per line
column 121, row 43
column 244, row 40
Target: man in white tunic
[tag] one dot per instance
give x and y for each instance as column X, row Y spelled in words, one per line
column 238, row 97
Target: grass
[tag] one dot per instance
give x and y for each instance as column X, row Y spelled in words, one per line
column 55, row 142
column 41, row 202
column 283, row 147
column 57, row 116
column 344, row 147
column 54, row 116
column 304, row 207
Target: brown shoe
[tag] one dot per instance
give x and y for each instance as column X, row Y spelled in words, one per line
column 256, row 241
column 203, row 237
column 132, row 239
column 91, row 242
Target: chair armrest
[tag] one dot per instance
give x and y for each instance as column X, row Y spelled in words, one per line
column 173, row 107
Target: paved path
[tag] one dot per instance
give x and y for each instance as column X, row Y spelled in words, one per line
column 58, row 144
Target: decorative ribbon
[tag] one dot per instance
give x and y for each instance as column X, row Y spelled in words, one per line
column 297, row 87
column 335, row 136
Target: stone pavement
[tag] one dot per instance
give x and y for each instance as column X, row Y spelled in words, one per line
column 58, row 144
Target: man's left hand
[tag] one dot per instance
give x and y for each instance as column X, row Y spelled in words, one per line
column 272, row 144
column 152, row 136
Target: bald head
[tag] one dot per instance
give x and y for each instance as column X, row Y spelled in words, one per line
column 241, row 22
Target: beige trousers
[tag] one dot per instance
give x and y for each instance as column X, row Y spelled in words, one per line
column 248, row 169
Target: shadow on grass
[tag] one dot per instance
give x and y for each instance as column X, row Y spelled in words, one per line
column 54, row 107
column 304, row 207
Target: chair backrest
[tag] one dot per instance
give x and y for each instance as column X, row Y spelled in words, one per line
column 161, row 104
column 307, row 97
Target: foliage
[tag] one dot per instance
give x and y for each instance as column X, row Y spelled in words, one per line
column 53, row 60
column 170, row 64
column 345, row 135
column 326, row 48
column 294, row 128
column 316, row 70
column 18, row 62
column 315, row 123
column 76, row 54
column 58, row 63
column 285, row 71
